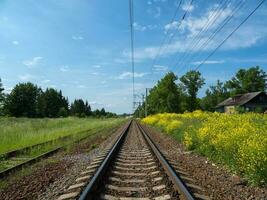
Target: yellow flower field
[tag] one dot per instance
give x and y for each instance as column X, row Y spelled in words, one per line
column 238, row 141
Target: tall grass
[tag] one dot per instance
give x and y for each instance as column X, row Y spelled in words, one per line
column 17, row 133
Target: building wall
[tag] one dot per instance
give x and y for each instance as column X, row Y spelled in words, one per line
column 229, row 109
column 219, row 109
column 258, row 103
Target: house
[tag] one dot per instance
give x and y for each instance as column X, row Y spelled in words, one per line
column 253, row 101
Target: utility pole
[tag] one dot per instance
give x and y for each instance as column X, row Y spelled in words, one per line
column 143, row 101
column 146, row 104
column 139, row 103
column 139, row 110
column 147, row 90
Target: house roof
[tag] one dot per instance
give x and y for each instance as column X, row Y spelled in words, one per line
column 239, row 100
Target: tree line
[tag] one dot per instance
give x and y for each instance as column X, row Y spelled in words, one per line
column 29, row 100
column 177, row 95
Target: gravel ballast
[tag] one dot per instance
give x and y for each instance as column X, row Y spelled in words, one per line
column 49, row 178
column 218, row 182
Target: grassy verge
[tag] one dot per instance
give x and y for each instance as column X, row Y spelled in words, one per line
column 22, row 132
column 238, row 141
column 84, row 128
column 94, row 139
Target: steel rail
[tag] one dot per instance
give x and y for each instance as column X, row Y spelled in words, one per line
column 11, row 153
column 8, row 171
column 90, row 189
column 177, row 182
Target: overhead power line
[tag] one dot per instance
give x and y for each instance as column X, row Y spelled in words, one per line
column 195, row 41
column 175, row 32
column 166, row 35
column 198, row 49
column 255, row 9
column 131, row 12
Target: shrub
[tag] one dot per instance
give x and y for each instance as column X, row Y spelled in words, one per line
column 62, row 112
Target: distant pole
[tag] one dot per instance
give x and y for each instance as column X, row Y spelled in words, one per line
column 139, row 109
column 146, row 103
column 131, row 12
column 147, row 90
column 143, row 101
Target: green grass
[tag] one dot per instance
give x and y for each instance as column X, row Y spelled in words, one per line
column 17, row 133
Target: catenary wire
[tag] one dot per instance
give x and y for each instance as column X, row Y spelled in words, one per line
column 254, row 10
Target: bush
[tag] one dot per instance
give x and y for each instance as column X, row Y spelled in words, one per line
column 62, row 112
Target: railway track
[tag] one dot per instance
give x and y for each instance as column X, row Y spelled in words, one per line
column 133, row 169
column 17, row 159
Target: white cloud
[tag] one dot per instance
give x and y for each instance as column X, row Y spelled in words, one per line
column 122, row 60
column 142, row 53
column 8, row 89
column 64, row 68
column 160, row 1
column 187, row 7
column 246, row 36
column 95, row 73
column 33, row 62
column 81, row 86
column 160, row 68
column 77, row 37
column 53, row 86
column 154, row 11
column 15, row 42
column 209, row 62
column 195, row 24
column 127, row 75
column 139, row 27
column 172, row 26
column 99, row 104
column 26, row 77
column 46, row 81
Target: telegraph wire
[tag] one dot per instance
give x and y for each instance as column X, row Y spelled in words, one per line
column 255, row 9
column 166, row 35
column 181, row 20
column 204, row 29
column 225, row 22
column 218, row 29
column 131, row 12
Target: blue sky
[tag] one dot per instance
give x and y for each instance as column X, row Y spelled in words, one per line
column 83, row 47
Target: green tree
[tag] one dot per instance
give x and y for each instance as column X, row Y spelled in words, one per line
column 80, row 109
column 214, row 95
column 139, row 111
column 96, row 113
column 51, row 102
column 103, row 112
column 192, row 82
column 247, row 80
column 165, row 96
column 88, row 110
column 62, row 112
column 22, row 101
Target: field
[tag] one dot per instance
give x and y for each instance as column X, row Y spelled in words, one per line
column 22, row 132
column 238, row 141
